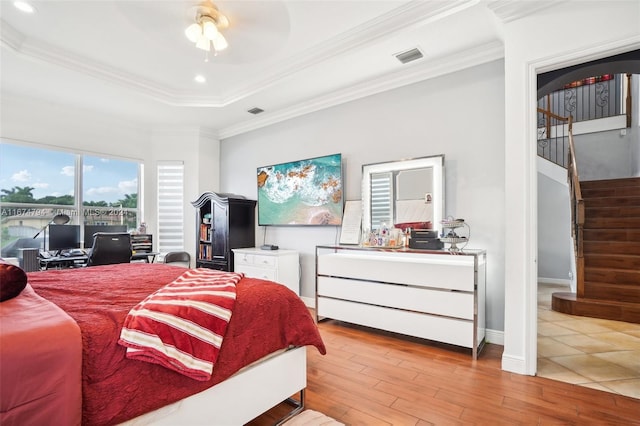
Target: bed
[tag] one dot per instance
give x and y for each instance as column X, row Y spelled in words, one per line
column 261, row 362
column 46, row 389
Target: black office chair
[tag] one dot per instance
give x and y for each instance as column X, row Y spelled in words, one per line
column 181, row 257
column 109, row 248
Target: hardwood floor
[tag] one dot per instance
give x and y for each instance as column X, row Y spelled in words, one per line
column 370, row 377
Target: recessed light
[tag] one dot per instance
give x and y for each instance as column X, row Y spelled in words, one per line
column 200, row 78
column 24, row 6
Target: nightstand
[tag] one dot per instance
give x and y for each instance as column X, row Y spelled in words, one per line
column 281, row 266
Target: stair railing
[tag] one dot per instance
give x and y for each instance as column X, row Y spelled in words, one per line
column 577, row 211
column 552, row 140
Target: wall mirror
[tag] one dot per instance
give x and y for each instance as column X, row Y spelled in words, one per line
column 404, row 191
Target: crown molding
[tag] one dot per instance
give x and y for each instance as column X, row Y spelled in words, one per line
column 425, row 70
column 44, row 52
column 510, row 10
column 203, row 132
column 10, row 37
column 400, row 19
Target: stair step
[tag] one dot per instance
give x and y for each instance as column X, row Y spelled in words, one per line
column 611, row 222
column 611, row 201
column 568, row 303
column 612, row 211
column 610, row 247
column 612, row 292
column 631, row 235
column 608, row 183
column 614, row 261
column 622, row 277
column 623, row 191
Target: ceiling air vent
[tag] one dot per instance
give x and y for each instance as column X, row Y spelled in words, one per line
column 409, row 55
column 255, row 110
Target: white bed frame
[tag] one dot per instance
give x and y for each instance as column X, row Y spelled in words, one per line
column 242, row 397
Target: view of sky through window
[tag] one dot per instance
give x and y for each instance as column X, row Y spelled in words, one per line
column 51, row 173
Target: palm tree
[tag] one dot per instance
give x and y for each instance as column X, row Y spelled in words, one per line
column 129, row 201
column 18, row 194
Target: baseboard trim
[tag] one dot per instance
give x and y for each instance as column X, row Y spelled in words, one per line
column 495, row 337
column 558, row 281
column 310, row 302
column 514, row 364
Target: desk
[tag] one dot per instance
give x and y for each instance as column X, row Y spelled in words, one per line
column 63, row 262
column 66, row 262
column 148, row 257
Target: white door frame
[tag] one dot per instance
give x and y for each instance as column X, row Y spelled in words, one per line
column 534, row 68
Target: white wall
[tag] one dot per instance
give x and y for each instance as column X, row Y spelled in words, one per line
column 569, row 38
column 200, row 152
column 554, row 230
column 606, row 155
column 460, row 115
column 54, row 125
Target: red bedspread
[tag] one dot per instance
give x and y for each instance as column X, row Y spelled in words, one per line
column 39, row 385
column 267, row 317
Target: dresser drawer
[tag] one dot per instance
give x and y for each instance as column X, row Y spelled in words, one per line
column 433, row 327
column 242, row 259
column 259, row 261
column 421, row 270
column 265, row 261
column 254, row 272
column 454, row 304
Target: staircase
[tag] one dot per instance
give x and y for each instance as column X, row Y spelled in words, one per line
column 611, row 250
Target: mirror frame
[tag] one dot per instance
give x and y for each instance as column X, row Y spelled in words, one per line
column 438, row 200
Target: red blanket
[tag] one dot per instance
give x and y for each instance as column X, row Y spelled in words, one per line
column 267, row 317
column 182, row 325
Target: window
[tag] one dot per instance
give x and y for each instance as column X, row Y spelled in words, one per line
column 110, row 191
column 39, row 184
column 170, row 206
column 381, row 196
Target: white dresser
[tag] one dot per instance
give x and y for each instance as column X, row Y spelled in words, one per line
column 281, row 266
column 433, row 295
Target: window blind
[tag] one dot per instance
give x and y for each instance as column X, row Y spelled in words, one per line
column 170, row 206
column 381, row 196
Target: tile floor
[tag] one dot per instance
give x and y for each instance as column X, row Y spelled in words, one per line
column 596, row 353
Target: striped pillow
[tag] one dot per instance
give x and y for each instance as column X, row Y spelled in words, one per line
column 181, row 326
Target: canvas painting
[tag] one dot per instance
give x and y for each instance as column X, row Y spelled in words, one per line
column 305, row 192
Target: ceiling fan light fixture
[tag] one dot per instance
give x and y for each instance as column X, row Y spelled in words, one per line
column 223, row 22
column 203, row 43
column 209, row 28
column 219, row 42
column 193, row 32
column 205, row 31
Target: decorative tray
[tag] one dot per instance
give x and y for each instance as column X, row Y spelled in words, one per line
column 452, row 223
column 454, row 240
